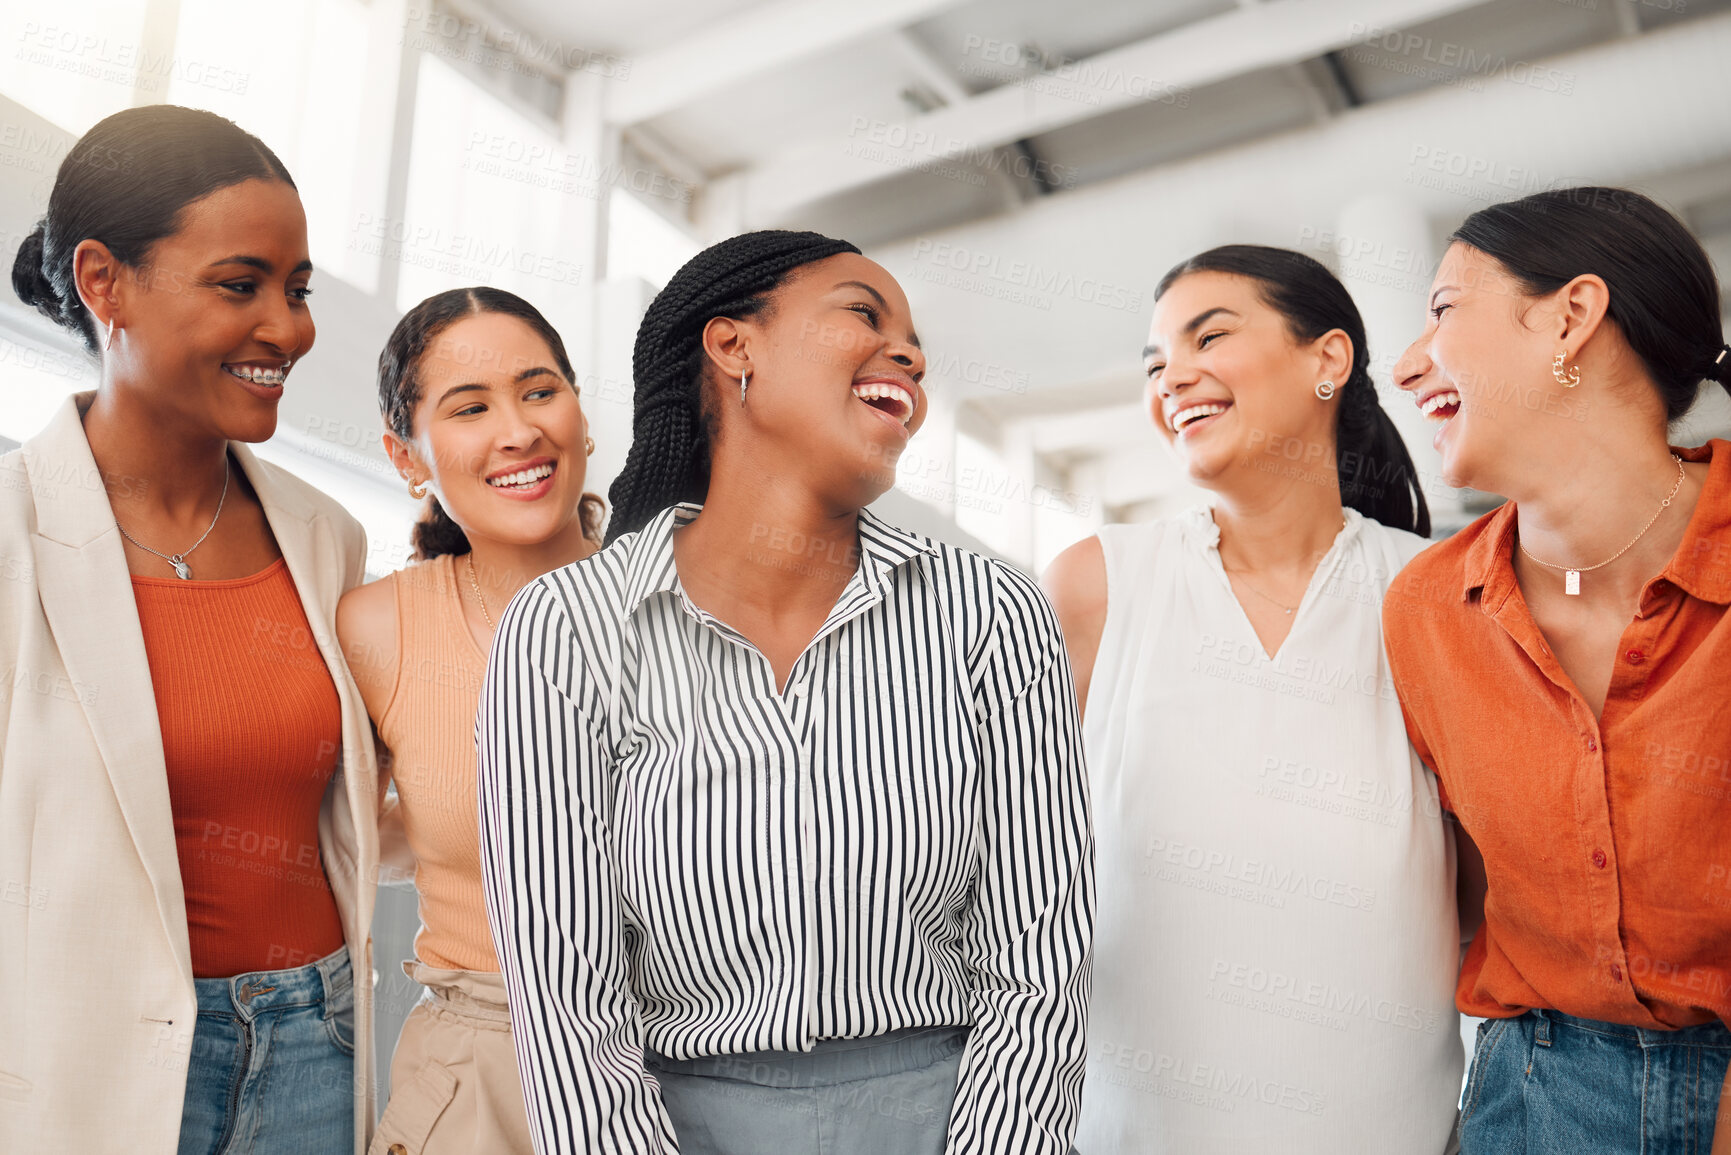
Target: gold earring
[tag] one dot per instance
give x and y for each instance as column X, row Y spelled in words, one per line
column 1567, row 380
column 417, row 490
column 589, row 447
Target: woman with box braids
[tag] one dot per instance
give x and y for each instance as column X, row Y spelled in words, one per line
column 669, row 458
column 778, row 801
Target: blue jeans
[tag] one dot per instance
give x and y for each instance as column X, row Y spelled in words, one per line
column 272, row 1064
column 888, row 1093
column 1545, row 1083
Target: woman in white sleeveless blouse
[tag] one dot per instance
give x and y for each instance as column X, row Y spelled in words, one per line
column 1276, row 939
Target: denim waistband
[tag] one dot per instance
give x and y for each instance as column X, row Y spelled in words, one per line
column 1710, row 1034
column 830, row 1061
column 255, row 992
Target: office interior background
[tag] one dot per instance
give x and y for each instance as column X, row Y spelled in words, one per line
column 1026, row 168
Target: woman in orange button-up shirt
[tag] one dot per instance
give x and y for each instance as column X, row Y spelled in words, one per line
column 1563, row 666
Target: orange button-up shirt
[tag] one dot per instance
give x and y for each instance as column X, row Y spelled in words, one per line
column 1607, row 841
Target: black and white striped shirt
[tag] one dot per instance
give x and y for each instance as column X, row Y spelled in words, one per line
column 680, row 857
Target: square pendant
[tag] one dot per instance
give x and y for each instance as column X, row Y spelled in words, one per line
column 1572, row 582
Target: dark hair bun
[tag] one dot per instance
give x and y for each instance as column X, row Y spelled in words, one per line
column 124, row 183
column 29, row 281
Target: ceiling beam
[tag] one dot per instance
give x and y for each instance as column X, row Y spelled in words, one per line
column 756, row 41
column 1161, row 68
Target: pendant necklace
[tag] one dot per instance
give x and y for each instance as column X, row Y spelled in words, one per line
column 1572, row 574
column 178, row 560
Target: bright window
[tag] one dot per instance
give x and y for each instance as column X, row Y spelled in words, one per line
column 76, row 61
column 489, row 192
column 297, row 79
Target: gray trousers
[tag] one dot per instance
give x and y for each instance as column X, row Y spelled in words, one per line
column 888, row 1093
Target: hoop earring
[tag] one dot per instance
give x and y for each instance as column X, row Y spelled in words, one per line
column 1324, row 390
column 108, row 341
column 1567, row 380
column 589, row 447
column 744, row 378
column 417, row 490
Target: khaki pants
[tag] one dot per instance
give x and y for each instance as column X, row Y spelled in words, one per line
column 454, row 1083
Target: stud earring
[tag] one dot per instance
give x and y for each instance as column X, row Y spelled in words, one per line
column 744, row 378
column 1567, row 380
column 1324, row 390
column 589, row 447
column 417, row 490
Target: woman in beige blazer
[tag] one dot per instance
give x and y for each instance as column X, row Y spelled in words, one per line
column 188, row 800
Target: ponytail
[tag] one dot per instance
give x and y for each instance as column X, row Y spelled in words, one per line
column 671, row 432
column 1377, row 476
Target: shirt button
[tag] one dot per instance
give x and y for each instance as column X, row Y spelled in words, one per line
column 1636, row 657
column 1599, row 859
column 1616, row 973
column 1592, row 744
column 801, row 690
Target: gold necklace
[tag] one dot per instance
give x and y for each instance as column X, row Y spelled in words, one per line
column 1572, row 574
column 1239, row 574
column 476, row 586
column 1286, row 608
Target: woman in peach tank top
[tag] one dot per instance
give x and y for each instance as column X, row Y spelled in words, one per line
column 481, row 406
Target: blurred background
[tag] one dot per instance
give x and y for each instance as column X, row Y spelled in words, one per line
column 1027, row 169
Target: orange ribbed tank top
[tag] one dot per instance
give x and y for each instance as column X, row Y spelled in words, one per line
column 429, row 725
column 251, row 729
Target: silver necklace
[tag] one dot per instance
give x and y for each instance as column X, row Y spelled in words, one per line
column 1572, row 574
column 178, row 560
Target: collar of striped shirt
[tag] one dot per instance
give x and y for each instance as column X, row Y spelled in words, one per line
column 650, row 569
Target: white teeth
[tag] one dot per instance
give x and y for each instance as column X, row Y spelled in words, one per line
column 879, row 390
column 1438, row 400
column 258, row 375
column 1194, row 412
column 522, row 477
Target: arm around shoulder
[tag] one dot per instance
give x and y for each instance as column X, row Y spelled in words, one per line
column 1075, row 583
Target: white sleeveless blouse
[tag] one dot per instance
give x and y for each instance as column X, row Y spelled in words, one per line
column 1276, row 944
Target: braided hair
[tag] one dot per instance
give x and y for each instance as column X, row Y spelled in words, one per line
column 1377, row 476
column 670, row 429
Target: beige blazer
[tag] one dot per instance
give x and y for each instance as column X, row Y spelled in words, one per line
column 96, row 990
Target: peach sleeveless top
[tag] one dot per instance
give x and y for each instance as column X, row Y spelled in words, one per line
column 429, row 725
